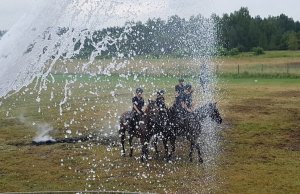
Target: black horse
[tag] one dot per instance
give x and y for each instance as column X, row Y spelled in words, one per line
column 190, row 125
column 164, row 126
column 144, row 129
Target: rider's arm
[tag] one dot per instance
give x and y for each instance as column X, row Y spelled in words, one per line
column 191, row 109
column 136, row 109
column 185, row 107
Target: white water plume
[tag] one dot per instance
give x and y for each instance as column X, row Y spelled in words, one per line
column 56, row 31
column 50, row 33
column 43, row 130
column 43, row 133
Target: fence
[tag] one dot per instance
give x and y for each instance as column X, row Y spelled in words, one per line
column 260, row 69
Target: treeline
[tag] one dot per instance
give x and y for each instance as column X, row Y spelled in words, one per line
column 240, row 31
column 180, row 37
column 154, row 38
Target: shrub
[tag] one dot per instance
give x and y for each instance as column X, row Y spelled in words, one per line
column 258, row 51
column 222, row 51
column 234, row 51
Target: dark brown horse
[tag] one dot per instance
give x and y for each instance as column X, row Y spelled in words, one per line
column 190, row 125
column 144, row 129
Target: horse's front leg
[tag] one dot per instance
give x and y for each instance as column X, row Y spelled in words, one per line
column 199, row 153
column 122, row 137
column 155, row 142
column 144, row 155
column 191, row 150
column 165, row 142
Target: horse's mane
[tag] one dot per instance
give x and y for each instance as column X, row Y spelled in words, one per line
column 151, row 102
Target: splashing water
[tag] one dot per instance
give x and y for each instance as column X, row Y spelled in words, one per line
column 42, row 134
column 43, row 43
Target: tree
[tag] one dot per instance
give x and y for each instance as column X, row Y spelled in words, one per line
column 292, row 41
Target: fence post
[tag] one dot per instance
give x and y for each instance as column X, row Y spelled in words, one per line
column 238, row 68
column 287, row 68
column 262, row 68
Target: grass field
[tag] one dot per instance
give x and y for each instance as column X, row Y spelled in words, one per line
column 271, row 64
column 260, row 138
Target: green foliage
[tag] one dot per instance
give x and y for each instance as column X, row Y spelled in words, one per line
column 234, row 51
column 258, row 50
column 222, row 51
column 156, row 37
column 237, row 31
column 240, row 30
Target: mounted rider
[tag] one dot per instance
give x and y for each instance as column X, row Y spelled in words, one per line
column 179, row 91
column 184, row 102
column 160, row 100
column 187, row 100
column 137, row 106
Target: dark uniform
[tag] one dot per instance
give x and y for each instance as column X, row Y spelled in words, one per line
column 160, row 99
column 160, row 102
column 139, row 103
column 187, row 99
column 179, row 89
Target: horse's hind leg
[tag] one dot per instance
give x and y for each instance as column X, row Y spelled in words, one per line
column 172, row 142
column 191, row 151
column 155, row 142
column 130, row 145
column 199, row 153
column 165, row 142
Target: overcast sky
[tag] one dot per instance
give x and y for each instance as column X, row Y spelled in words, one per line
column 12, row 10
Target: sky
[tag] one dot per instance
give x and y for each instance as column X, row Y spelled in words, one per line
column 12, row 10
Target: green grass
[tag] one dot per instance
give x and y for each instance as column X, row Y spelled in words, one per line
column 272, row 64
column 262, row 147
column 269, row 54
column 260, row 140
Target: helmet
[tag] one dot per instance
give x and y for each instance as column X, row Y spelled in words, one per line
column 160, row 92
column 139, row 90
column 181, row 80
column 188, row 86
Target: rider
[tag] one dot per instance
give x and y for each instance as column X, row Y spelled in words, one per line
column 160, row 100
column 187, row 100
column 179, row 89
column 137, row 105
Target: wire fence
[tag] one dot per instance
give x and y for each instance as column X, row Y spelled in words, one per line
column 292, row 69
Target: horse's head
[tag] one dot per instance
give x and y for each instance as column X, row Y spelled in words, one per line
column 151, row 108
column 210, row 110
column 151, row 104
column 214, row 113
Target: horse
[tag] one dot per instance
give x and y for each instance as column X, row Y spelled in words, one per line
column 144, row 129
column 190, row 125
column 163, row 126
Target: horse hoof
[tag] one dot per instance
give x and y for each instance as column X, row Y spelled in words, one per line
column 123, row 154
